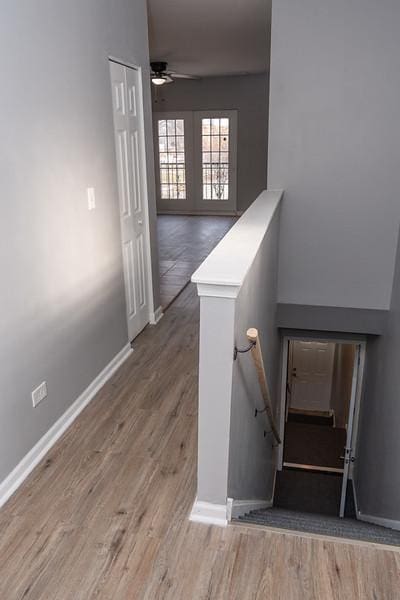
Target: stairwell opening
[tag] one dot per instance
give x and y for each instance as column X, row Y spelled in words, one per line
column 314, row 491
column 319, row 410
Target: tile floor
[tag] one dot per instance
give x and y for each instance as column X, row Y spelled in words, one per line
column 184, row 242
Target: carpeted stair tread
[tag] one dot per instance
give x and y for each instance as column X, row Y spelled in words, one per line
column 322, row 525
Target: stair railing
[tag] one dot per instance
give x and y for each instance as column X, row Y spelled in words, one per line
column 255, row 349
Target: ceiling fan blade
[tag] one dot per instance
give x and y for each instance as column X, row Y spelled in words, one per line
column 183, row 75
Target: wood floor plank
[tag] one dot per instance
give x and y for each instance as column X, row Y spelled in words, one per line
column 105, row 514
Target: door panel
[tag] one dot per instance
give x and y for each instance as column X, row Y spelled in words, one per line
column 311, row 375
column 215, row 135
column 129, row 274
column 173, row 144
column 123, row 168
column 129, row 142
column 135, row 171
column 141, row 271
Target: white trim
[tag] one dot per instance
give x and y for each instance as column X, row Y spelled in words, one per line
column 144, row 165
column 156, row 316
column 209, row 513
column 356, row 420
column 283, row 401
column 241, row 507
column 349, row 449
column 216, row 290
column 303, row 467
column 18, row 475
column 382, row 521
column 354, row 496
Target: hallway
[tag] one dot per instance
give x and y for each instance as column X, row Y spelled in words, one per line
column 183, row 243
column 105, row 513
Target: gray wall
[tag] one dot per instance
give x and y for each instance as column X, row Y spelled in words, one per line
column 377, row 468
column 248, row 95
column 334, row 148
column 62, row 299
column 251, row 457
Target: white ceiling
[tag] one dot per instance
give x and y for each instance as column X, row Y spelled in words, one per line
column 210, row 37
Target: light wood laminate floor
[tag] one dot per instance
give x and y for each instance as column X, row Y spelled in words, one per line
column 105, row 515
column 183, row 243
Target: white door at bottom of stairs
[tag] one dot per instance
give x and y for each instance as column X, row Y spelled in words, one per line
column 311, row 375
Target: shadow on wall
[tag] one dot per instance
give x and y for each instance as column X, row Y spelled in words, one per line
column 251, row 456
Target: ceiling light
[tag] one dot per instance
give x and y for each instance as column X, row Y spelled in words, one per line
column 159, row 80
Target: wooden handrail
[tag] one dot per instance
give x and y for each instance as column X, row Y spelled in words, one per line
column 253, row 337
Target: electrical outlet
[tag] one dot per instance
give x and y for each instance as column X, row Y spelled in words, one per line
column 91, row 198
column 39, row 394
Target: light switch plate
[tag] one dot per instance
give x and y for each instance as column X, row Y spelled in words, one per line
column 91, row 198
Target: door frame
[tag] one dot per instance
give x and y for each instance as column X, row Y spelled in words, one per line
column 194, row 171
column 154, row 313
column 362, row 344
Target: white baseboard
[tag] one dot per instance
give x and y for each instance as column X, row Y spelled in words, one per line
column 156, row 316
column 208, row 513
column 17, row 476
column 382, row 521
column 221, row 514
column 241, row 507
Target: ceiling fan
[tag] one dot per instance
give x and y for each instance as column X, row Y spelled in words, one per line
column 160, row 75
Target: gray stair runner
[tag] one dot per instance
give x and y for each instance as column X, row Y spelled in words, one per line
column 322, row 525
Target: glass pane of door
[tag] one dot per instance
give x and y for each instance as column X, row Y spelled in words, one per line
column 215, row 158
column 171, row 147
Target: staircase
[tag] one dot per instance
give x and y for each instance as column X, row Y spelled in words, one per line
column 281, row 518
column 309, row 502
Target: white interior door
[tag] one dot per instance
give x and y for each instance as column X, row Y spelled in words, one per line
column 173, row 145
column 311, row 375
column 348, row 450
column 129, row 141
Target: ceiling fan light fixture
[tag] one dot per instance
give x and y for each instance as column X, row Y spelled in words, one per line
column 159, row 79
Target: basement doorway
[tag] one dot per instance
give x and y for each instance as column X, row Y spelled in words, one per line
column 320, row 402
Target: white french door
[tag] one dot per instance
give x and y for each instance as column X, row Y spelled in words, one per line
column 196, row 161
column 129, row 142
column 215, row 135
column 174, row 161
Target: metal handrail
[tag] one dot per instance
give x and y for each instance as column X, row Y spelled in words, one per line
column 255, row 349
